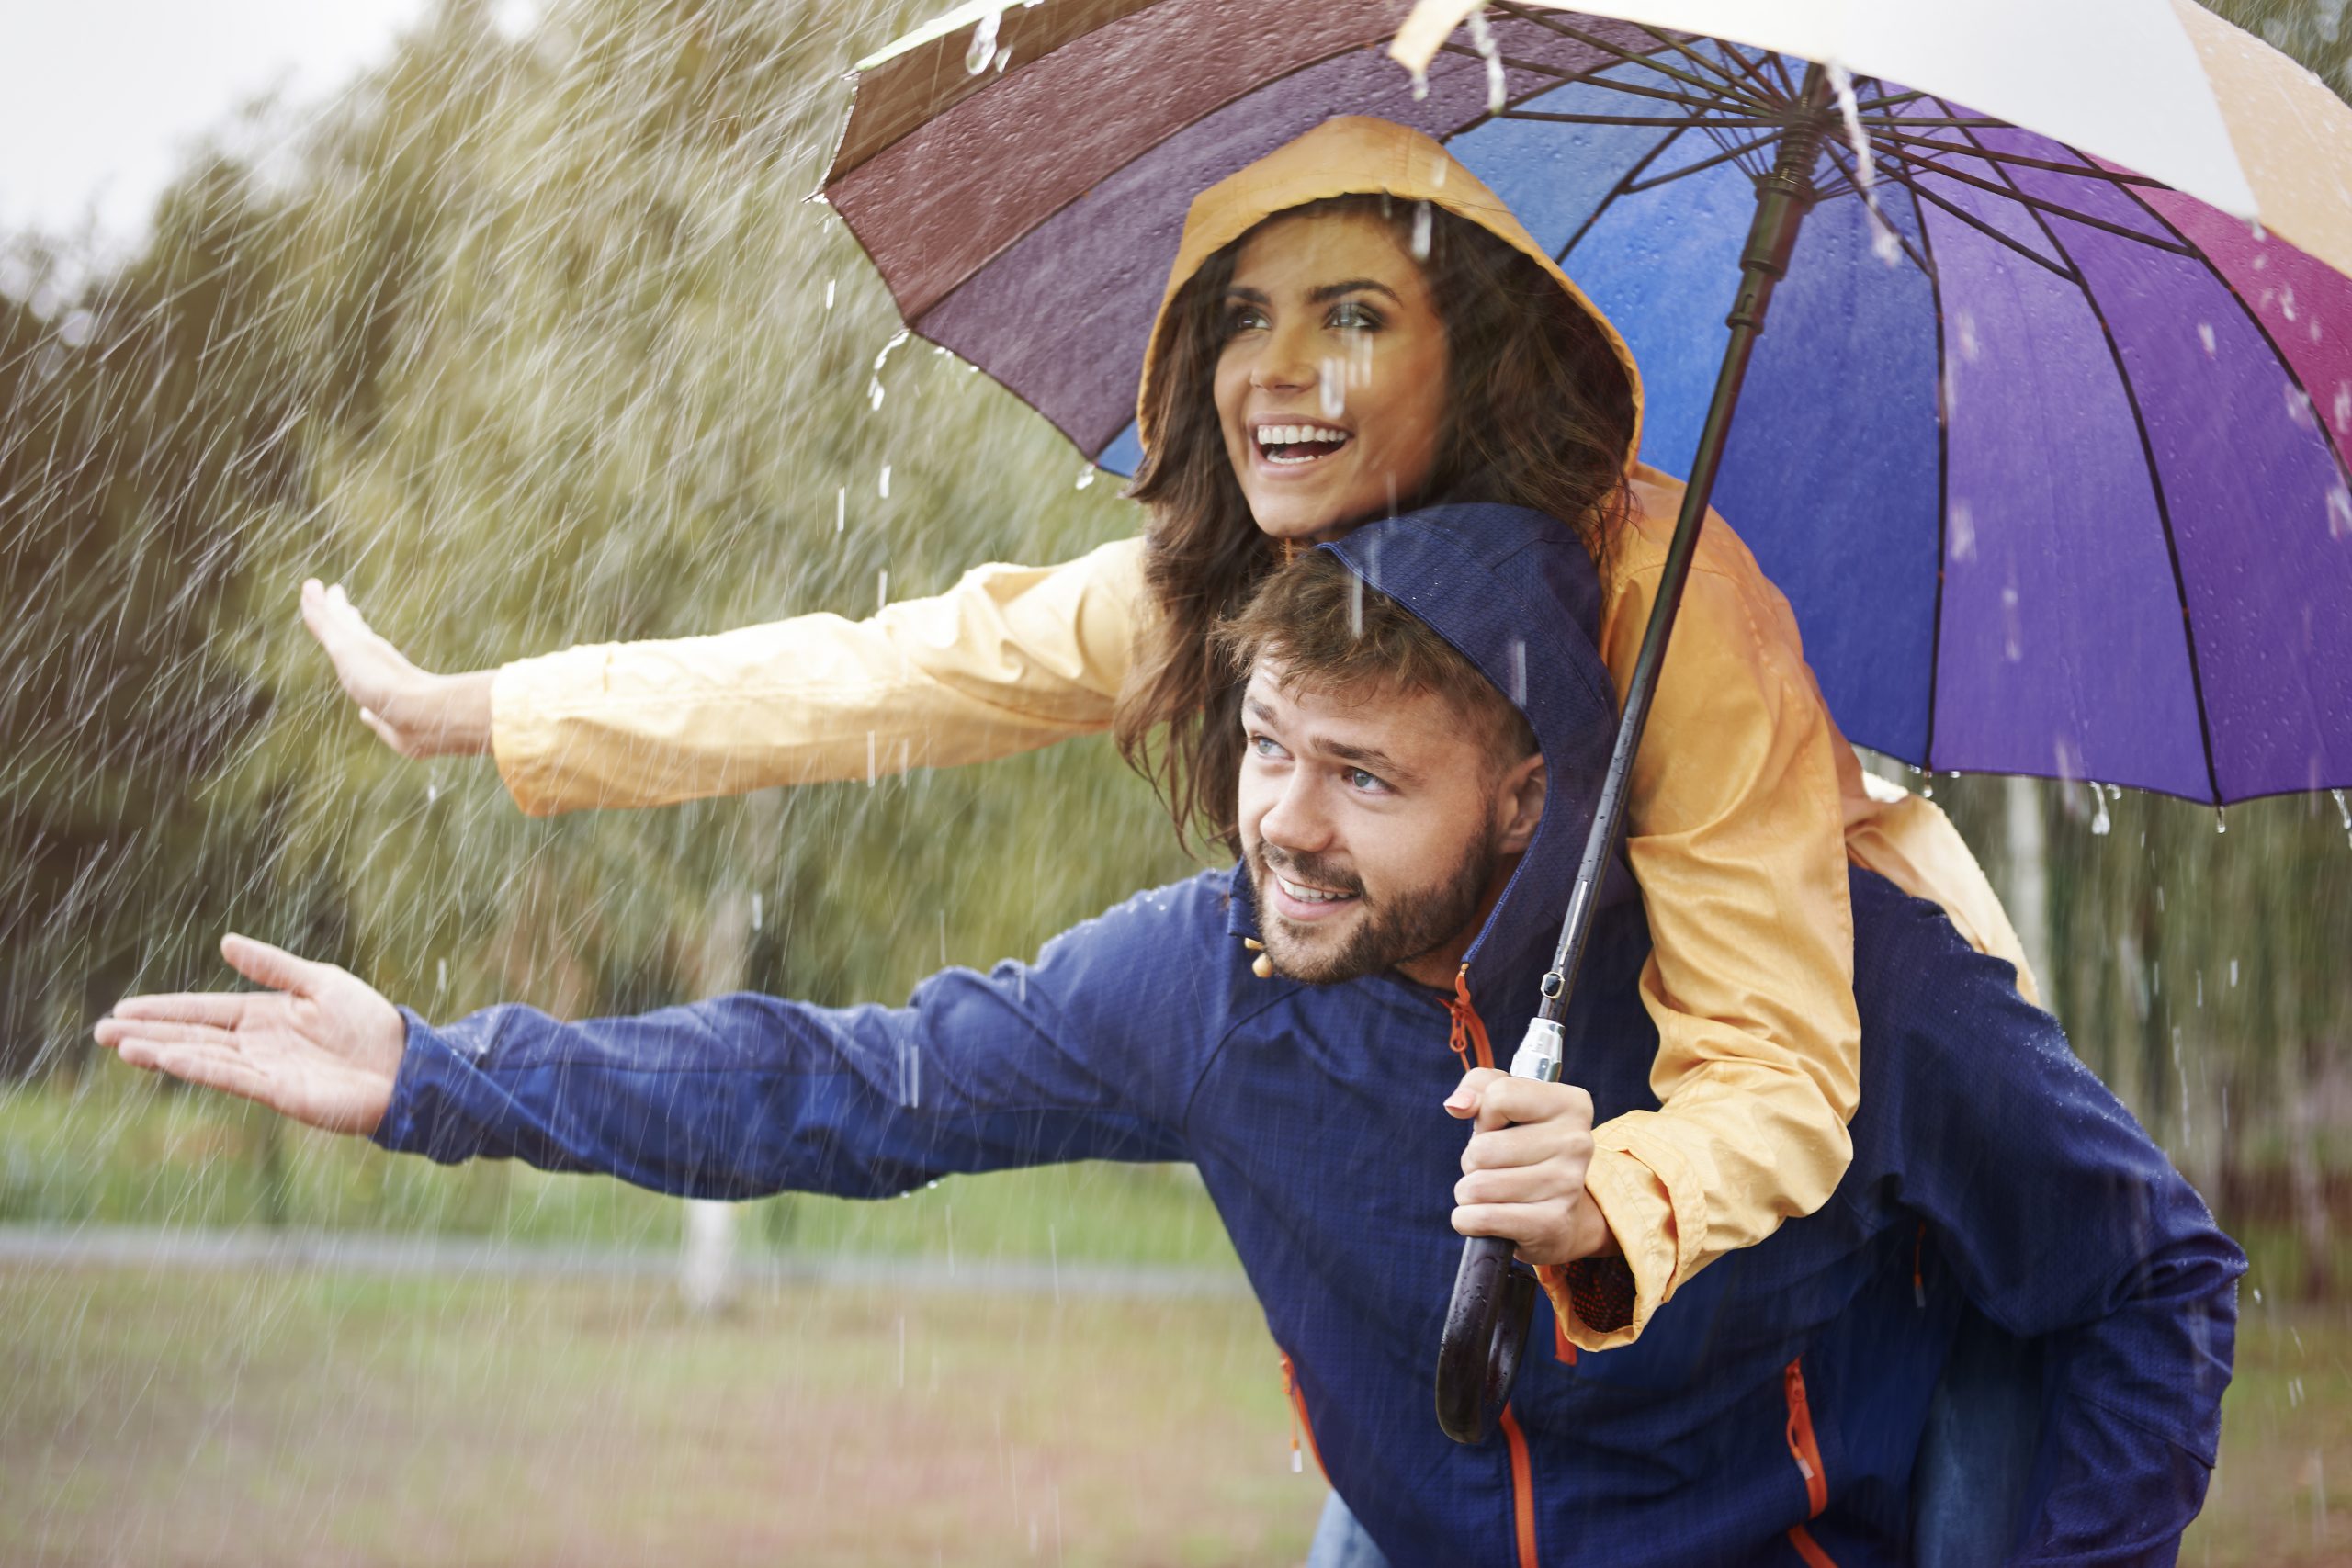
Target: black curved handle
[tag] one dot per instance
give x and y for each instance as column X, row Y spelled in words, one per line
column 1486, row 1330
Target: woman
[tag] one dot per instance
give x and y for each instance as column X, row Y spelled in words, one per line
column 1354, row 325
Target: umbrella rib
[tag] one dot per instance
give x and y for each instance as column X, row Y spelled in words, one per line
column 1749, row 68
column 2155, row 489
column 1854, row 185
column 1552, row 117
column 1629, row 57
column 1724, row 156
column 1716, row 68
column 2011, row 192
column 1563, row 78
column 2085, row 171
column 1943, row 483
column 1987, row 230
column 1632, row 173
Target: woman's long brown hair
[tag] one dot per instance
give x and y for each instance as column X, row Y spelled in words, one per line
column 1539, row 414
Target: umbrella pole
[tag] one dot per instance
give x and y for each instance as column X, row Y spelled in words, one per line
column 1486, row 1322
column 1782, row 198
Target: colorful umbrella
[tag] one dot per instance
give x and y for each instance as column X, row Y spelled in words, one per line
column 2047, row 449
column 2061, row 490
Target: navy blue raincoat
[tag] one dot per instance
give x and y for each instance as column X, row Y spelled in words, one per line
column 1772, row 1411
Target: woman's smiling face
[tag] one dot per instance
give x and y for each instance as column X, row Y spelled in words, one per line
column 1332, row 373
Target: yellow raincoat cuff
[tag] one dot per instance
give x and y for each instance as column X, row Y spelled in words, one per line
column 529, row 701
column 1649, row 1213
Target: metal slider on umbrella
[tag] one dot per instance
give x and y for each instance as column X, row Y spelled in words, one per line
column 1493, row 1297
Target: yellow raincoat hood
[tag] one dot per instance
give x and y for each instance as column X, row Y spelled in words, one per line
column 1357, row 156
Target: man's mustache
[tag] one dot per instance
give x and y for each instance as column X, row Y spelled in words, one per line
column 1316, row 871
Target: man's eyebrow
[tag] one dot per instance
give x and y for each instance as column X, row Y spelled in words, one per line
column 1372, row 759
column 1320, row 292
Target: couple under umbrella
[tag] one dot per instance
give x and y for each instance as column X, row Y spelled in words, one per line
column 1354, row 329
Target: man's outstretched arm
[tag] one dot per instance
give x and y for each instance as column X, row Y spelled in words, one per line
column 728, row 1097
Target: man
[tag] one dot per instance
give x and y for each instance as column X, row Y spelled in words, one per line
column 1409, row 835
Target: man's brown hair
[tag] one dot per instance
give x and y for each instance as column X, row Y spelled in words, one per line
column 1333, row 632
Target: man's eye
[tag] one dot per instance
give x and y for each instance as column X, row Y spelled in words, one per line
column 1265, row 745
column 1372, row 783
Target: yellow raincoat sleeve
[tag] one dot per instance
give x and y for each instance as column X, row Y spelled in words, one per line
column 1011, row 658
column 1746, row 804
column 1736, row 834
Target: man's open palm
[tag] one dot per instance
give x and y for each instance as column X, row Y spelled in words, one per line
column 321, row 1044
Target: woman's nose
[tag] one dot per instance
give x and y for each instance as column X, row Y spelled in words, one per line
column 1284, row 366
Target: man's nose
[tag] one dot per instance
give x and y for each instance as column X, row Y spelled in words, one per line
column 1298, row 822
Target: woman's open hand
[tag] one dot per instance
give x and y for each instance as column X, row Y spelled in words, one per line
column 321, row 1045
column 414, row 711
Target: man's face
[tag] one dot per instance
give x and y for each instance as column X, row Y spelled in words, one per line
column 1376, row 827
column 1331, row 384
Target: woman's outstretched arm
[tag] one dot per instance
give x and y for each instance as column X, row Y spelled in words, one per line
column 1010, row 658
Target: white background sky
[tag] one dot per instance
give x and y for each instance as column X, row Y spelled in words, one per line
column 101, row 101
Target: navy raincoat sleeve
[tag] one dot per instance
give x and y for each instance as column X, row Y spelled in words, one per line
column 2066, row 1224
column 1091, row 1053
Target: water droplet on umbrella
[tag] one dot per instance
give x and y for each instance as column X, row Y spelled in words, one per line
column 983, row 49
column 1086, row 476
column 1482, row 39
column 886, row 482
column 2339, row 511
column 2298, row 409
column 1421, row 85
column 2100, row 823
column 841, row 509
column 1963, row 532
column 1422, row 218
column 2205, row 336
column 1332, row 387
column 829, row 294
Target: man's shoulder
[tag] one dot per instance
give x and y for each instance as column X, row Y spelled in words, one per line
column 1181, row 923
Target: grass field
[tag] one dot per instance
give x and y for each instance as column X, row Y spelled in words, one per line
column 300, row 1418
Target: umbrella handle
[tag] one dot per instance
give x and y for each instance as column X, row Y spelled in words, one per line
column 1486, row 1331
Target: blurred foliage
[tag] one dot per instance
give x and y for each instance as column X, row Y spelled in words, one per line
column 538, row 339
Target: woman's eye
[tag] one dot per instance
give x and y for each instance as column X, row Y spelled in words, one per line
column 1355, row 315
column 1242, row 317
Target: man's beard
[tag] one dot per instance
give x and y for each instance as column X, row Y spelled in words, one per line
column 1394, row 930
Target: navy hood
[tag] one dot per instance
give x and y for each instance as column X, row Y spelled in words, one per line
column 1496, row 581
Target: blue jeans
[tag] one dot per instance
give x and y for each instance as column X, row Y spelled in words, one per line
column 1968, row 1484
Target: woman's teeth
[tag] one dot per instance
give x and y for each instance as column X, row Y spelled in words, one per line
column 1308, row 894
column 1298, row 443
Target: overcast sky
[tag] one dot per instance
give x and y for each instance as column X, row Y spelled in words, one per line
column 101, row 100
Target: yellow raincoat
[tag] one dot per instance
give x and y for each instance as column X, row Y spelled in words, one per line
column 1746, row 801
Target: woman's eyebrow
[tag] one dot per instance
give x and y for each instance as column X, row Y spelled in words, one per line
column 1319, row 293
column 1353, row 286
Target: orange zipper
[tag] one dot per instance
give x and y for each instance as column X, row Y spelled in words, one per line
column 1469, row 1029
column 1298, row 1422
column 1802, row 1446
column 1523, row 1490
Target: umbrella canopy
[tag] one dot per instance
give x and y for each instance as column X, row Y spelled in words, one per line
column 2047, row 452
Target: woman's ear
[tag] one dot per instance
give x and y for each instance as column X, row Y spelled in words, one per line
column 1519, row 801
